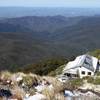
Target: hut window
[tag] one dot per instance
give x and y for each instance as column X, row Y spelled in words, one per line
column 65, row 73
column 89, row 73
column 68, row 74
column 83, row 72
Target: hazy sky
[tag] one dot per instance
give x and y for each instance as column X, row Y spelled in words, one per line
column 51, row 3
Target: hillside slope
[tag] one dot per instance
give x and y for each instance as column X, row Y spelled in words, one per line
column 21, row 44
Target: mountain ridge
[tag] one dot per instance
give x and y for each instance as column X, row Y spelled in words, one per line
column 21, row 44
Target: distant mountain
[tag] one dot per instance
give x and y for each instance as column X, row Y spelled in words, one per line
column 36, row 23
column 10, row 12
column 27, row 40
column 82, row 37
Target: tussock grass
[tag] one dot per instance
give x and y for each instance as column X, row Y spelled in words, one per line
column 59, row 96
column 28, row 80
column 58, row 86
column 18, row 92
column 5, row 75
column 54, row 93
column 49, row 94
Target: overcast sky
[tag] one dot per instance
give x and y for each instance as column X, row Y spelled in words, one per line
column 51, row 3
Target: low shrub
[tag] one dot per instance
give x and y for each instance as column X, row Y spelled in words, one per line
column 92, row 80
column 28, row 80
column 5, row 75
column 76, row 82
column 89, row 79
column 49, row 94
column 98, row 73
column 97, row 81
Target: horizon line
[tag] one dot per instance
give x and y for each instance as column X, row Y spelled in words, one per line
column 49, row 7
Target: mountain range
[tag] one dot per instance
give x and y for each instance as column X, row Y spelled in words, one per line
column 29, row 39
column 11, row 12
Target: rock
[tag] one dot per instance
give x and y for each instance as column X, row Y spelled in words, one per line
column 19, row 78
column 5, row 93
column 37, row 96
column 68, row 93
column 40, row 88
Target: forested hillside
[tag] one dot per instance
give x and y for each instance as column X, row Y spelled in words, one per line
column 28, row 40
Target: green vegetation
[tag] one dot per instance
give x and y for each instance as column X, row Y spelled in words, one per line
column 47, row 67
column 76, row 82
column 98, row 73
column 30, row 39
column 58, row 71
column 28, row 80
column 97, row 81
column 72, row 84
column 89, row 79
column 5, row 75
column 95, row 53
column 93, row 80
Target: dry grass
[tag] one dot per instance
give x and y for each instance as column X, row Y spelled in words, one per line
column 49, row 94
column 59, row 96
column 5, row 75
column 56, row 92
column 18, row 92
column 1, row 98
column 35, row 77
column 28, row 80
column 58, row 86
